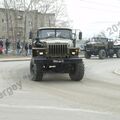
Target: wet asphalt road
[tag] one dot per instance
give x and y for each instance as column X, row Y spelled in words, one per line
column 96, row 97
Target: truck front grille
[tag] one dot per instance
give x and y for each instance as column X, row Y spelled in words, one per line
column 57, row 50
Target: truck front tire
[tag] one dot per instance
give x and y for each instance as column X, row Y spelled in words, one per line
column 36, row 72
column 111, row 53
column 77, row 72
column 102, row 54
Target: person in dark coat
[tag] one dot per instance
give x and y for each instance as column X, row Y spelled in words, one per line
column 26, row 49
column 18, row 47
column 7, row 43
column 1, row 43
column 1, row 46
column 30, row 49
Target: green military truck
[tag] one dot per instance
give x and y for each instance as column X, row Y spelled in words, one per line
column 102, row 47
column 54, row 51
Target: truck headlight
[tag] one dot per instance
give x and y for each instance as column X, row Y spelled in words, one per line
column 74, row 51
column 41, row 53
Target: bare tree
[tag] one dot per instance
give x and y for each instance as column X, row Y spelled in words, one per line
column 43, row 6
column 52, row 6
column 7, row 17
column 12, row 21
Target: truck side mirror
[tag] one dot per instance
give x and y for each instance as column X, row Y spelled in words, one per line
column 80, row 35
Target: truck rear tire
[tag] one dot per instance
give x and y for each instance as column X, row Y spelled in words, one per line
column 111, row 53
column 77, row 72
column 35, row 72
column 102, row 54
column 118, row 53
column 87, row 55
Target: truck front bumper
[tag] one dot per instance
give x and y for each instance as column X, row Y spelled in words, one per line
column 44, row 60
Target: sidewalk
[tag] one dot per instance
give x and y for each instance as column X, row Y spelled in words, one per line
column 7, row 58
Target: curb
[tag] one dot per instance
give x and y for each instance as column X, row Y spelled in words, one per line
column 15, row 59
column 117, row 71
column 20, row 59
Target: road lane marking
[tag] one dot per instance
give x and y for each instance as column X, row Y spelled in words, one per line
column 52, row 108
column 116, row 71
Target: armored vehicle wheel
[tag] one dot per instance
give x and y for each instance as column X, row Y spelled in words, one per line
column 87, row 55
column 102, row 54
column 77, row 72
column 118, row 53
column 35, row 72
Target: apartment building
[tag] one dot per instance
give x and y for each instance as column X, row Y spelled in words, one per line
column 15, row 24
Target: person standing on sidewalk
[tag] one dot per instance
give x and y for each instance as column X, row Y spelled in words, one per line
column 18, row 48
column 7, row 46
column 30, row 49
column 26, row 49
column 1, row 46
column 1, row 43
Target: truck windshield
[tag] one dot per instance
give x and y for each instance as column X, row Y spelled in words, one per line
column 55, row 33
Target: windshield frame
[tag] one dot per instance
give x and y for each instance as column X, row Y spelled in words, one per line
column 55, row 31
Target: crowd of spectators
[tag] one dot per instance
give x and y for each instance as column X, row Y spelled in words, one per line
column 20, row 47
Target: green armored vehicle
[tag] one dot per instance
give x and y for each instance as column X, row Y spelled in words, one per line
column 102, row 47
column 54, row 51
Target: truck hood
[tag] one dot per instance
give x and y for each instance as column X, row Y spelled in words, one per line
column 58, row 41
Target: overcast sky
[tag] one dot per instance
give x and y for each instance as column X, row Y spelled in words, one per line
column 93, row 16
